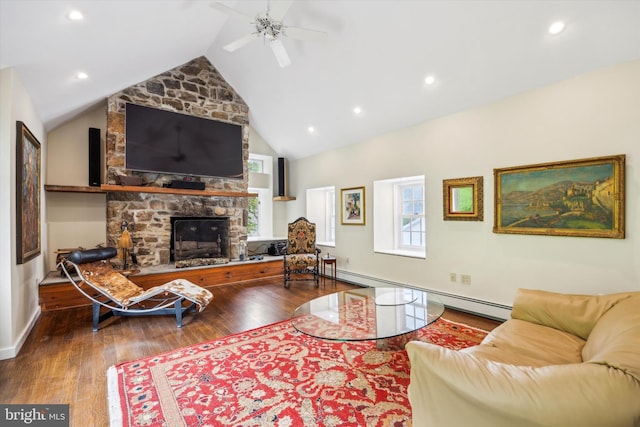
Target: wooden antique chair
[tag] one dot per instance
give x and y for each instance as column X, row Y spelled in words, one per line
column 301, row 256
column 106, row 288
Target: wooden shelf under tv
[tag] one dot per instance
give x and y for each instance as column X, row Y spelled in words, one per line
column 109, row 188
column 283, row 198
column 73, row 189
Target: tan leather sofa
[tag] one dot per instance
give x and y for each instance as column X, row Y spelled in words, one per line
column 560, row 360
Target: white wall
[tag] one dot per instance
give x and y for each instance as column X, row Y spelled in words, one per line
column 597, row 114
column 19, row 307
column 74, row 219
column 258, row 145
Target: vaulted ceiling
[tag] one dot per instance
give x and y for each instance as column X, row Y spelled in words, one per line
column 376, row 56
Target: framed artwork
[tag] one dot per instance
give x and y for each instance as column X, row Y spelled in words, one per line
column 352, row 206
column 27, row 194
column 582, row 198
column 462, row 199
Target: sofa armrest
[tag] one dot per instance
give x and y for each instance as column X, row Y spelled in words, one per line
column 455, row 388
column 576, row 314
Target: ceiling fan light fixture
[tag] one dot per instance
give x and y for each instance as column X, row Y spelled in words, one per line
column 268, row 28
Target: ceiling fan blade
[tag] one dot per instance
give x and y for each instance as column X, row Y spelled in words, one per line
column 230, row 11
column 278, row 8
column 304, row 34
column 281, row 53
column 242, row 41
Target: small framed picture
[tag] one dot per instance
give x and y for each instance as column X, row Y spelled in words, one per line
column 352, row 206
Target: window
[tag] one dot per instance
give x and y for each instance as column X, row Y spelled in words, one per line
column 411, row 218
column 399, row 226
column 259, row 209
column 321, row 210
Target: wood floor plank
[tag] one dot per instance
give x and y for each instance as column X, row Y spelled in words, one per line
column 63, row 361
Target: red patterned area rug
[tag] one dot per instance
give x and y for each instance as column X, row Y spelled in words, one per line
column 273, row 376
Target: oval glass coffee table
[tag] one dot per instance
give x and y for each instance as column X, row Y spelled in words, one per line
column 390, row 316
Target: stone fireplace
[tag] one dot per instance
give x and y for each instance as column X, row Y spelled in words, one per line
column 199, row 240
column 194, row 88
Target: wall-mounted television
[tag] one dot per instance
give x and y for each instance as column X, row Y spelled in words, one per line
column 166, row 142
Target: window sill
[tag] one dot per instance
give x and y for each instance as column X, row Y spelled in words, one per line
column 402, row 252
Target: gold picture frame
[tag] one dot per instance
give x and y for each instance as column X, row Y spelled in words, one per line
column 28, row 196
column 352, row 206
column 583, row 198
column 462, row 199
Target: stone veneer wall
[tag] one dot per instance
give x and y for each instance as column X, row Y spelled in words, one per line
column 198, row 89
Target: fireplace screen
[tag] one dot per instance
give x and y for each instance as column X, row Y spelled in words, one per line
column 199, row 241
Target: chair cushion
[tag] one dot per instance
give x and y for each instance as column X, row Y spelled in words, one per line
column 299, row 261
column 523, row 343
column 90, row 255
column 114, row 285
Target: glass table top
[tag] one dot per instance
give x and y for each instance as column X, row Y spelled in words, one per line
column 367, row 314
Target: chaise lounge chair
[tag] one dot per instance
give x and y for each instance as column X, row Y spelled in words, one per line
column 107, row 288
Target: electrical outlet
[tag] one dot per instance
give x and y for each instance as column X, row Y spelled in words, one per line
column 465, row 279
column 453, row 277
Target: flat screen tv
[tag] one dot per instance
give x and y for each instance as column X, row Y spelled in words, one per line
column 166, row 142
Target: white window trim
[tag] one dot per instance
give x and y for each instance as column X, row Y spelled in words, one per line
column 265, row 198
column 385, row 214
column 320, row 212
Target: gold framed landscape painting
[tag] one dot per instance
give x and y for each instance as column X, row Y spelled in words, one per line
column 583, row 198
column 352, row 206
column 27, row 194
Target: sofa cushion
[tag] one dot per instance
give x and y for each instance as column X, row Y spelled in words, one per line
column 526, row 344
column 615, row 340
column 454, row 388
column 576, row 314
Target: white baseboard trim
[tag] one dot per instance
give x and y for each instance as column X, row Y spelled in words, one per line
column 459, row 302
column 11, row 352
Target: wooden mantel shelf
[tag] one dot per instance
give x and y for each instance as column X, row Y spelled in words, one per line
column 108, row 188
column 165, row 190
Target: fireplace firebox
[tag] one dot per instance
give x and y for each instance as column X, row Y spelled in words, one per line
column 199, row 241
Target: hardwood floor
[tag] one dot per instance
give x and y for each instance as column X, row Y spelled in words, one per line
column 63, row 361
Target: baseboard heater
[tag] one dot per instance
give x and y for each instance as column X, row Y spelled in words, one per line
column 475, row 306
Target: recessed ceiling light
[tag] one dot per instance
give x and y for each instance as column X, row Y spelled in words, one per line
column 556, row 28
column 430, row 79
column 82, row 75
column 75, row 15
column 357, row 110
column 311, row 129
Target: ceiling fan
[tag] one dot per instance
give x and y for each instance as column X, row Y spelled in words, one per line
column 270, row 27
